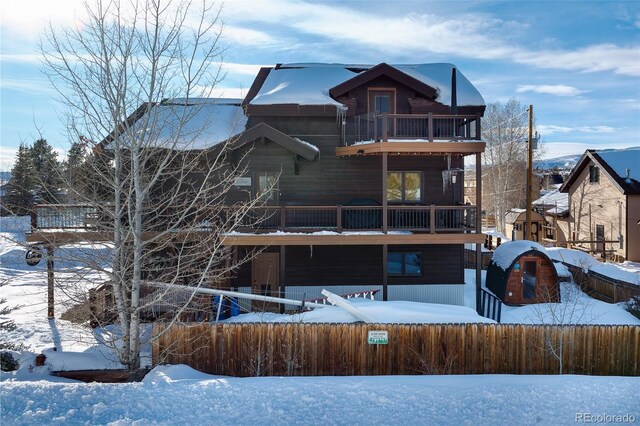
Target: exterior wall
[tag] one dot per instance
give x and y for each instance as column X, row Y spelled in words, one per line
column 361, row 265
column 594, row 204
column 332, row 180
column 632, row 243
column 536, row 223
column 546, row 287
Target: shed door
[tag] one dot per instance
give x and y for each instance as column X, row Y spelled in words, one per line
column 529, row 279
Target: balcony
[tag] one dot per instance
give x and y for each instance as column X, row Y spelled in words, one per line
column 428, row 219
column 276, row 225
column 416, row 127
column 432, row 219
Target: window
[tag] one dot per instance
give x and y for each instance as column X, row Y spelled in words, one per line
column 382, row 103
column 404, row 187
column 267, row 189
column 594, row 174
column 404, row 264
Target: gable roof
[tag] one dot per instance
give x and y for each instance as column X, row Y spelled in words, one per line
column 384, row 70
column 318, row 84
column 184, row 124
column 264, row 131
column 613, row 162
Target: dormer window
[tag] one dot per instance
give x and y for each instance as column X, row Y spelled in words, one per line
column 594, row 174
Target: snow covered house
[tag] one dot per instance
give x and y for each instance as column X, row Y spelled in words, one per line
column 361, row 171
column 604, row 203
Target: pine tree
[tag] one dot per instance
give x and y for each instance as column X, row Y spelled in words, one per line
column 48, row 171
column 76, row 170
column 23, row 183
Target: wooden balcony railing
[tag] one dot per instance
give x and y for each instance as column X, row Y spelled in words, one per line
column 432, row 218
column 428, row 127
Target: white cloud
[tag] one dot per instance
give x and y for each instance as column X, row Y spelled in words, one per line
column 27, row 85
column 246, row 36
column 244, row 69
column 556, row 89
column 472, row 35
column 601, row 57
column 559, row 149
column 548, row 129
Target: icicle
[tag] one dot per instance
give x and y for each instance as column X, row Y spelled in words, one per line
column 446, row 179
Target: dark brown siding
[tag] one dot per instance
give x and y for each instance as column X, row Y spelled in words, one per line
column 355, row 265
column 332, row 180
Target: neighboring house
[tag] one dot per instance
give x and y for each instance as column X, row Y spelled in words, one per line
column 604, row 203
column 361, row 169
column 515, row 223
column 554, row 206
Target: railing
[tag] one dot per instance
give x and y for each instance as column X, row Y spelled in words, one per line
column 428, row 127
column 65, row 216
column 431, row 218
column 490, row 306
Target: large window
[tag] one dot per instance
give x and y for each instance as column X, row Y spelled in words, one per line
column 267, row 189
column 404, row 187
column 404, row 264
column 594, row 174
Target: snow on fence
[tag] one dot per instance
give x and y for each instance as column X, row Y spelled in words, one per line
column 276, row 349
column 602, row 287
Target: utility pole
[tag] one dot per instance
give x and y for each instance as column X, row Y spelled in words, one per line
column 529, row 175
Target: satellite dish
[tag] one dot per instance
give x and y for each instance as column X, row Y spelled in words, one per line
column 33, row 256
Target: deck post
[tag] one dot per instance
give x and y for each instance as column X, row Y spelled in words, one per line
column 430, row 124
column 385, row 274
column 50, row 282
column 282, row 275
column 339, row 218
column 385, row 159
column 478, row 228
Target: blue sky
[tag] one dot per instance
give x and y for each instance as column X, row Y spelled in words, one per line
column 577, row 62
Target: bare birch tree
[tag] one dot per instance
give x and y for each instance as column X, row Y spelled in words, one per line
column 134, row 76
column 505, row 130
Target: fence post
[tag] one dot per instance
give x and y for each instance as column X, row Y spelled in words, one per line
column 339, row 218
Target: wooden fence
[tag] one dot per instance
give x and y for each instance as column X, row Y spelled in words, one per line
column 342, row 349
column 602, row 287
column 470, row 259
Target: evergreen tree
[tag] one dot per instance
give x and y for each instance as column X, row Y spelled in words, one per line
column 48, row 171
column 23, row 183
column 76, row 170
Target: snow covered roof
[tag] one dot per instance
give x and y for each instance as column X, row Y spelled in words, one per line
column 309, row 84
column 303, row 86
column 616, row 163
column 438, row 76
column 553, row 202
column 623, row 160
column 506, row 253
column 183, row 124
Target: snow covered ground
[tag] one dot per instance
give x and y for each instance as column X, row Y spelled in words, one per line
column 180, row 395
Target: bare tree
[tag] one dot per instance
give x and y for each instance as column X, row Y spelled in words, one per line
column 135, row 77
column 505, row 130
